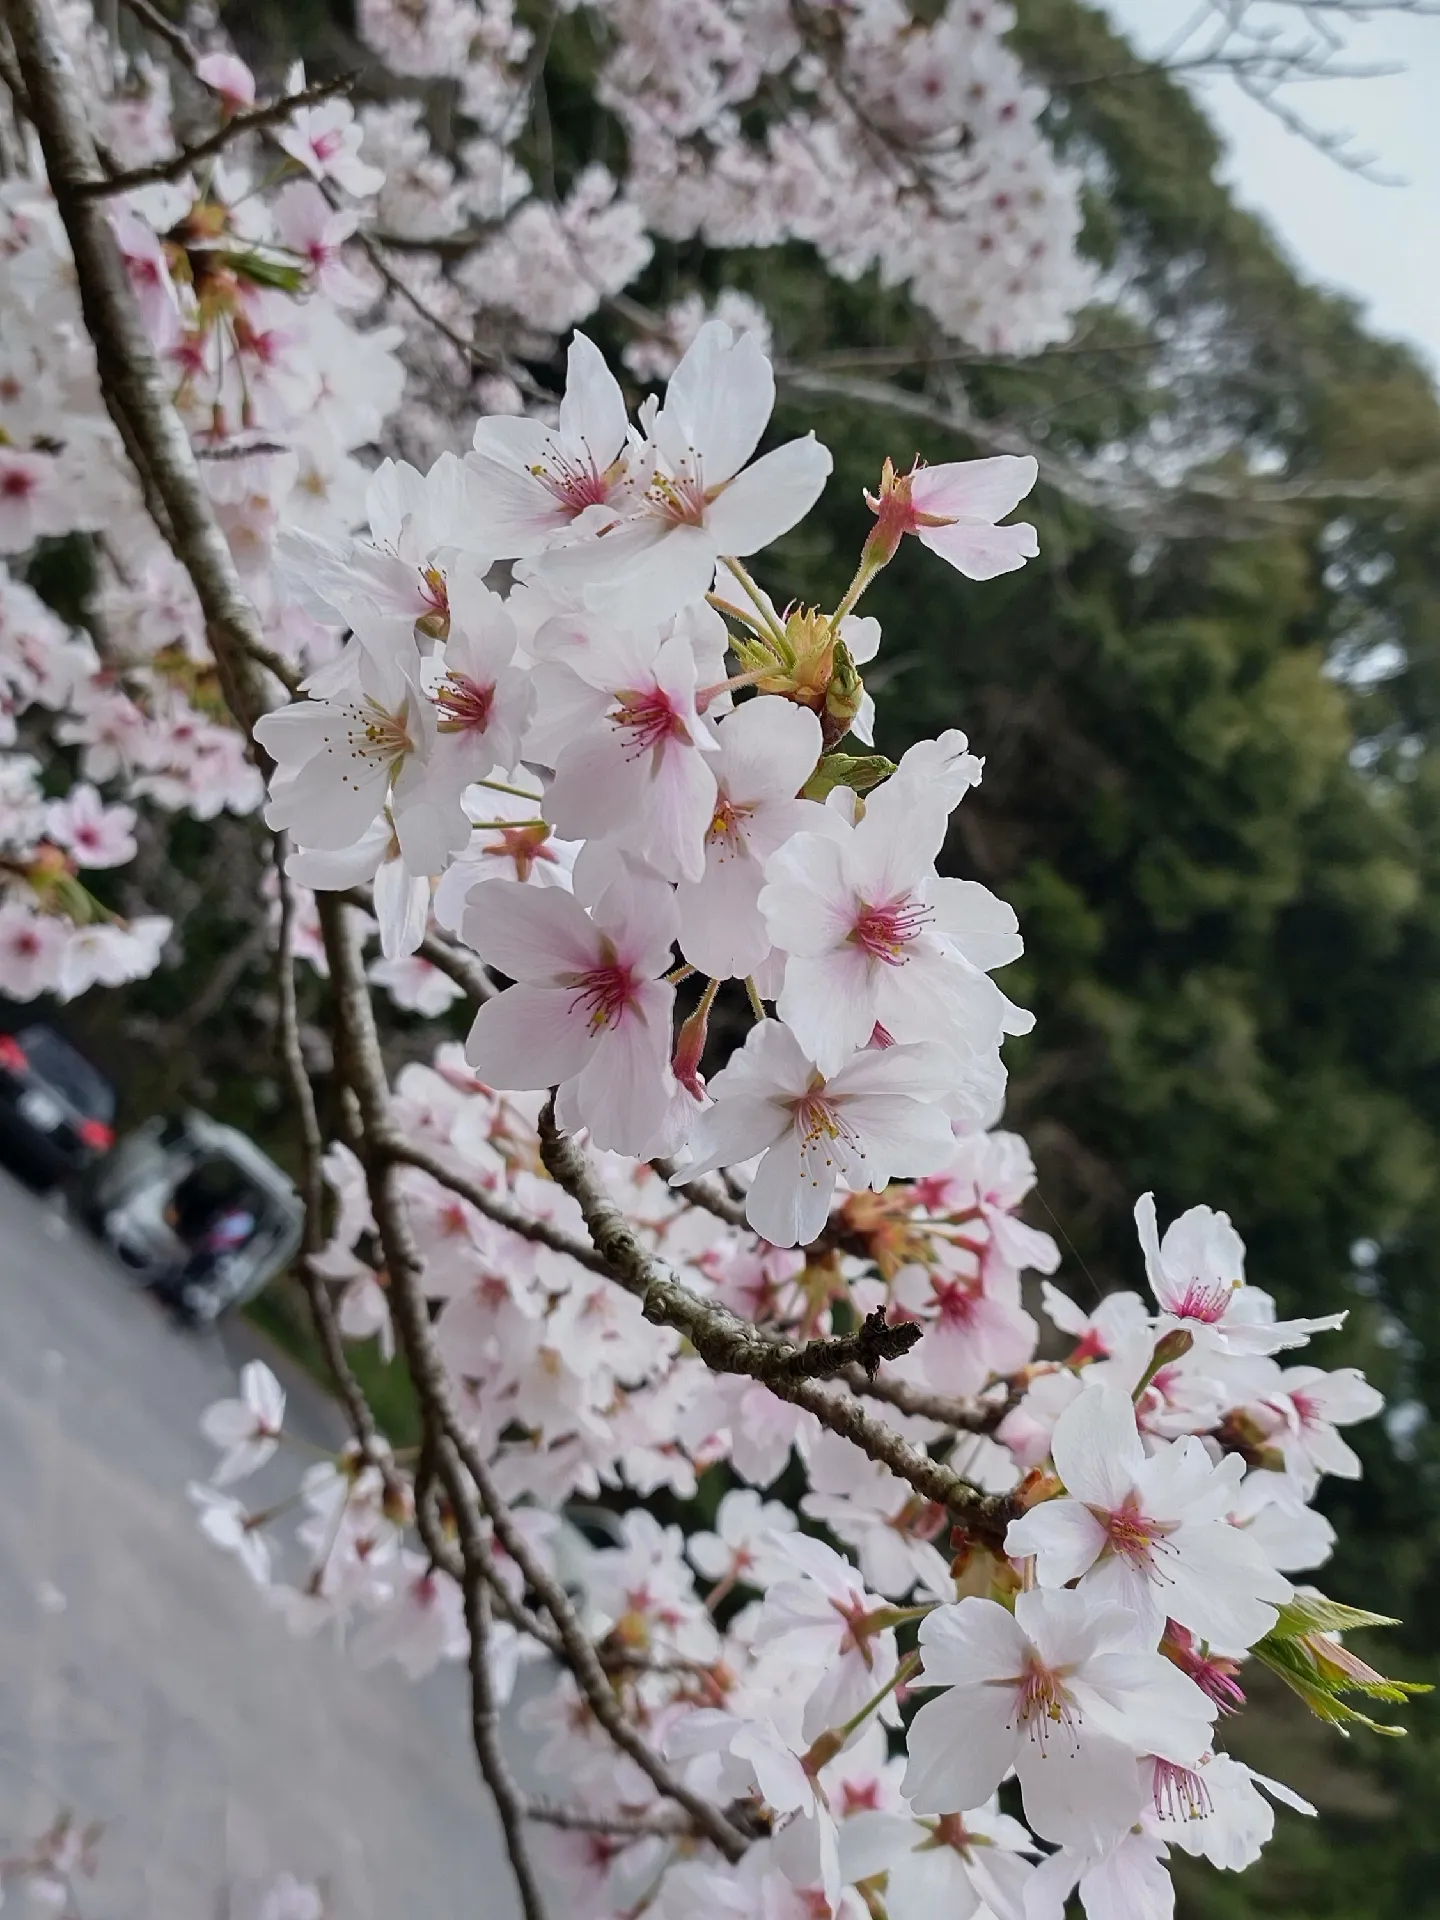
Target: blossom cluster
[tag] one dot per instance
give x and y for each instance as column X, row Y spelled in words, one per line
column 908, row 147
column 841, row 1664
column 246, row 298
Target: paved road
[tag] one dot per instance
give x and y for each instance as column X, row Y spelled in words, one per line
column 162, row 1698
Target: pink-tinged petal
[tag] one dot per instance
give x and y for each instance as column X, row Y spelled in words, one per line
column 637, row 914
column 1222, row 1587
column 530, row 1037
column 717, row 403
column 1140, row 1700
column 539, row 934
column 770, row 497
column 982, row 553
column 731, row 1131
column 829, row 1003
column 721, row 931
column 402, row 907
column 961, row 1746
column 624, row 1090
column 769, row 747
column 783, row 1205
column 642, row 573
column 982, row 926
column 592, row 412
column 807, row 903
column 901, row 1135
column 975, row 490
column 1079, row 1792
column 769, row 1065
column 970, row 1644
column 1064, row 1536
column 679, row 805
column 1097, row 1449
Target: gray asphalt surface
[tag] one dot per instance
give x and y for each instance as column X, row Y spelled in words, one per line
column 141, row 1681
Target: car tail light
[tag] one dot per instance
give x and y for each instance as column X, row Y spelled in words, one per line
column 96, row 1134
column 12, row 1054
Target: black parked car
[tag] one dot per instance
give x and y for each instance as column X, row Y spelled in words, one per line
column 57, row 1112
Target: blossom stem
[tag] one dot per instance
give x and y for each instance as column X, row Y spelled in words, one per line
column 864, row 574
column 829, row 1744
column 738, row 614
column 1169, row 1347
column 499, row 826
column 677, row 974
column 499, row 786
column 757, row 1005
column 756, row 597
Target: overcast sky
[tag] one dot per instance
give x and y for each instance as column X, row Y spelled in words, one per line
column 1377, row 242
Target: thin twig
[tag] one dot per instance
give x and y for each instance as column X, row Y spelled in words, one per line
column 358, row 1055
column 485, row 1730
column 252, row 120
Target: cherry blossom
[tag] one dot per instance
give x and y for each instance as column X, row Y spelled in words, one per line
column 1149, row 1533
column 767, row 750
column 247, row 1429
column 874, row 938
column 590, row 1010
column 703, row 500
column 1059, row 1691
column 534, row 483
column 1197, row 1274
column 867, row 1122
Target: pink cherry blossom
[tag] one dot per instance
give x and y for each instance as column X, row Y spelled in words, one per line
column 1149, row 1533
column 590, row 1010
column 872, row 1119
column 1059, row 1691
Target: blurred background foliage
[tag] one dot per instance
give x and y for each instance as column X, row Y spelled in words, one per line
column 1210, row 719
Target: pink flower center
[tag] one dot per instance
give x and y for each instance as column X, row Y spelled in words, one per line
column 1207, row 1304
column 323, row 145
column 606, row 992
column 648, row 717
column 724, row 827
column 680, row 498
column 1132, row 1535
column 17, row 483
column 575, row 484
column 464, row 704
column 886, row 931
column 956, row 1299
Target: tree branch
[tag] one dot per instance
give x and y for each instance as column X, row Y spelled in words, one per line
column 729, row 1344
column 358, row 1053
column 252, row 120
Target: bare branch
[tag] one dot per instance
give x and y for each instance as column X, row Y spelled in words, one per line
column 485, row 1731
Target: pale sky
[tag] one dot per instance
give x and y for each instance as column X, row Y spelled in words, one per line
column 1380, row 243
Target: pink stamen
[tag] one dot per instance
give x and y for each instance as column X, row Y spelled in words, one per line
column 884, row 932
column 1133, row 1536
column 1180, row 1793
column 1205, row 1304
column 1042, row 1702
column 649, row 718
column 607, row 992
column 575, row 484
